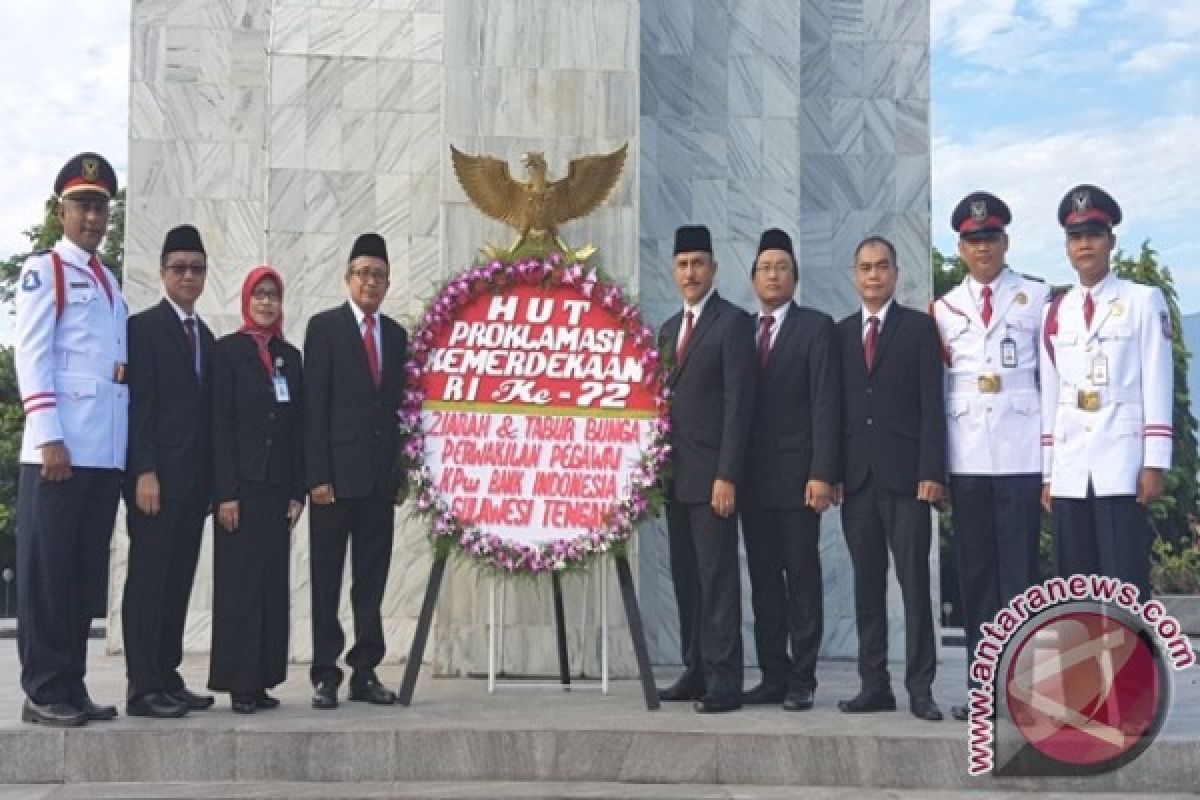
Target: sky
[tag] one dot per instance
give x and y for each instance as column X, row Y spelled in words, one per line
column 1029, row 98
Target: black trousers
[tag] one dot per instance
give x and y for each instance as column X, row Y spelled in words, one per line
column 365, row 524
column 783, row 556
column 250, row 593
column 1102, row 536
column 63, row 533
column 163, row 552
column 707, row 578
column 875, row 520
column 997, row 523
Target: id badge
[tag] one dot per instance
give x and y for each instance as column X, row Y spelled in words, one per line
column 280, row 383
column 1100, row 370
column 1008, row 352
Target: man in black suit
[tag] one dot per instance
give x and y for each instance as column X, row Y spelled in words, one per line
column 793, row 463
column 711, row 349
column 895, row 464
column 168, row 479
column 353, row 384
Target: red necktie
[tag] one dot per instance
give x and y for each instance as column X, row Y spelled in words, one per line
column 98, row 271
column 1089, row 308
column 764, row 338
column 189, row 327
column 688, row 320
column 372, row 352
column 986, row 311
column 871, row 342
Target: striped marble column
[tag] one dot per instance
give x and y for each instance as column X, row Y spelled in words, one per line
column 283, row 128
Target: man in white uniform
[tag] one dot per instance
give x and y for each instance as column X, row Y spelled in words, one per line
column 989, row 326
column 1106, row 402
column 70, row 362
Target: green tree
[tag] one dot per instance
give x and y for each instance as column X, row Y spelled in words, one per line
column 947, row 272
column 1172, row 514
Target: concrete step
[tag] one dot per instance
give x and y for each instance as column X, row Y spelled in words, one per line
column 507, row 790
column 935, row 757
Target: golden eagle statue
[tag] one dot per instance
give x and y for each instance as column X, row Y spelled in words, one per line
column 537, row 207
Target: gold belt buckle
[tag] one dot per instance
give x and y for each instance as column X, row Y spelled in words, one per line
column 989, row 383
column 1088, row 400
column 119, row 372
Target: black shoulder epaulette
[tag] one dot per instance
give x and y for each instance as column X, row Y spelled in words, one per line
column 1056, row 291
column 1033, row 278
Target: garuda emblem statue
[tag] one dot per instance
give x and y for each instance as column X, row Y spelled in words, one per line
column 535, row 208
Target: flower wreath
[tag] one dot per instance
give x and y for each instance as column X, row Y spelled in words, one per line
column 644, row 499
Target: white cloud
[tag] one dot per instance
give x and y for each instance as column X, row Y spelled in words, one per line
column 64, row 87
column 1158, row 58
column 1060, row 13
column 1147, row 166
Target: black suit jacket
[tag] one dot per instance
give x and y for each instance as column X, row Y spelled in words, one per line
column 895, row 426
column 796, row 435
column 351, row 437
column 169, row 407
column 255, row 437
column 712, row 399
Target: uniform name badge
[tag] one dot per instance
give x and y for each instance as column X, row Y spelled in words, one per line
column 280, row 383
column 1008, row 352
column 1099, row 376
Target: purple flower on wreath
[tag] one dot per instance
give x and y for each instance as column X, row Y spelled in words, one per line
column 556, row 258
column 589, row 284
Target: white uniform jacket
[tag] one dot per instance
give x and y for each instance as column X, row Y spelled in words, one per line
column 68, row 364
column 993, row 413
column 1121, row 369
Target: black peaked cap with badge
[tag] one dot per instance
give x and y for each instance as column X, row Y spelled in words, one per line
column 980, row 215
column 692, row 239
column 86, row 172
column 182, row 238
column 1088, row 208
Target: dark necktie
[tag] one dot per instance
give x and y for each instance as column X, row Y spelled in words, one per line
column 871, row 342
column 1089, row 308
column 189, row 329
column 688, row 319
column 986, row 311
column 98, row 271
column 764, row 338
column 372, row 352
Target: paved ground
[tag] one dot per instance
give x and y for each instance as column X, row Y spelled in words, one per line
column 440, row 704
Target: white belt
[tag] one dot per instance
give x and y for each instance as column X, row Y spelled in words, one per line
column 1008, row 380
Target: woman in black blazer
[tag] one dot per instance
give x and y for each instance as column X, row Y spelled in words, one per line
column 258, row 486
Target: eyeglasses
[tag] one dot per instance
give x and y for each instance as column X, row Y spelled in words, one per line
column 179, row 270
column 774, row 269
column 266, row 295
column 368, row 275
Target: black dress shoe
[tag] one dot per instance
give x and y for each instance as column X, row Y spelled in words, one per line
column 56, row 715
column 681, row 691
column 92, row 711
column 243, row 703
column 960, row 713
column 867, row 702
column 193, row 701
column 765, row 694
column 710, row 704
column 798, row 700
column 264, row 701
column 373, row 692
column 325, row 696
column 158, row 705
column 925, row 708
